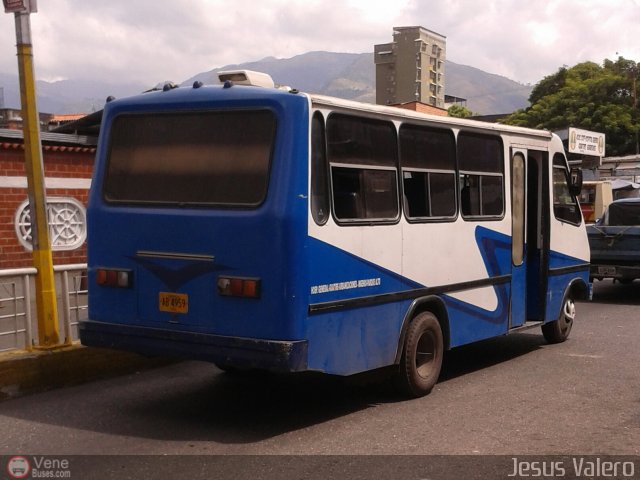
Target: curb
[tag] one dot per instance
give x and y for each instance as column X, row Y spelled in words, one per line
column 23, row 372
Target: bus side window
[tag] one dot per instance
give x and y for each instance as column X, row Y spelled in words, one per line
column 481, row 163
column 347, row 198
column 469, row 196
column 319, row 187
column 565, row 205
column 416, row 197
column 362, row 155
column 428, row 162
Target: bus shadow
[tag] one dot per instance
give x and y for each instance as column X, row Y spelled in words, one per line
column 488, row 353
column 247, row 408
column 251, row 407
column 609, row 292
column 194, row 401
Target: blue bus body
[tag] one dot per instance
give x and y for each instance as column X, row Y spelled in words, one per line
column 262, row 281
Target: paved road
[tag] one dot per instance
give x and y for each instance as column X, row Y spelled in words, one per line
column 514, row 395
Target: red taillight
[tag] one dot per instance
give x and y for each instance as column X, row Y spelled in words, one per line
column 110, row 277
column 239, row 287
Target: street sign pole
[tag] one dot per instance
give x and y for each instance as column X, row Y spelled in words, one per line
column 48, row 334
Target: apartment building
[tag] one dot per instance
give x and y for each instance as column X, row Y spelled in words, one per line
column 411, row 68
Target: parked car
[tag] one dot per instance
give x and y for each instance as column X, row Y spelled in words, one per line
column 615, row 242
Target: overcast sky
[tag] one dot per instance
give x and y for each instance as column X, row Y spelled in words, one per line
column 153, row 40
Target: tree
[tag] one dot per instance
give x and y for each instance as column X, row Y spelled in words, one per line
column 459, row 111
column 588, row 96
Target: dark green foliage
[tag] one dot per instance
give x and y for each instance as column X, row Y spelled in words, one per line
column 459, row 111
column 588, row 96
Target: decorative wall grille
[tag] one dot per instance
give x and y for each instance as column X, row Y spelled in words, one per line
column 67, row 223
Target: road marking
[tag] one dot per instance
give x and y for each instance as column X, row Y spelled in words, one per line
column 582, row 355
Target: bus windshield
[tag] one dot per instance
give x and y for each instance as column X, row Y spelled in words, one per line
column 201, row 158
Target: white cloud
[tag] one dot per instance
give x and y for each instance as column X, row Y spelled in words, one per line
column 149, row 41
column 543, row 34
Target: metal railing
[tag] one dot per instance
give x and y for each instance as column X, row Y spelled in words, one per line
column 18, row 324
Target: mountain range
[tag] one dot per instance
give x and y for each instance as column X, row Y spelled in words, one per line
column 344, row 75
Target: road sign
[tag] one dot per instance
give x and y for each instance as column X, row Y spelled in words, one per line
column 585, row 142
column 20, row 6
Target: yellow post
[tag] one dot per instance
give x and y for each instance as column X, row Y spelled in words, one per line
column 48, row 334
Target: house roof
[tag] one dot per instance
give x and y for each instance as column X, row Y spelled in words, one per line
column 88, row 125
column 56, row 142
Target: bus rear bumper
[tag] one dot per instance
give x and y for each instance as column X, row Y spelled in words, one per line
column 277, row 355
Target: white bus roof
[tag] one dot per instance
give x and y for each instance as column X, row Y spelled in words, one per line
column 397, row 112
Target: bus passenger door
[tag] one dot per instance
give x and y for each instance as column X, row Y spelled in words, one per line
column 518, row 311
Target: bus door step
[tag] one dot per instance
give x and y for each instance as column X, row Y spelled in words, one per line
column 526, row 326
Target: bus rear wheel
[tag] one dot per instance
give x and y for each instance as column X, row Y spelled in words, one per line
column 558, row 330
column 422, row 354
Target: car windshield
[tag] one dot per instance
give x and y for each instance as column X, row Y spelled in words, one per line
column 624, row 214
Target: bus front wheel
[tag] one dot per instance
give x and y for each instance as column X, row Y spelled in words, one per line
column 558, row 330
column 421, row 359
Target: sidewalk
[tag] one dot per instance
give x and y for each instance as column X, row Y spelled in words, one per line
column 23, row 372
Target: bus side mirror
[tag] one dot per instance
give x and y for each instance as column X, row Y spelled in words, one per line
column 575, row 179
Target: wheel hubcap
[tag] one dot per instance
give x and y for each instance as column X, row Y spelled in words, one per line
column 569, row 313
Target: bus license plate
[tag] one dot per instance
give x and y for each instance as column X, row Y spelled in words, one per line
column 174, row 302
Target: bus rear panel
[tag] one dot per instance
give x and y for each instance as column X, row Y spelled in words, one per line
column 194, row 235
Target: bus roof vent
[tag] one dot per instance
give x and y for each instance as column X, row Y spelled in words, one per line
column 246, row 77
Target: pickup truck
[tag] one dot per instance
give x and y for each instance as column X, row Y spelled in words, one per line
column 615, row 242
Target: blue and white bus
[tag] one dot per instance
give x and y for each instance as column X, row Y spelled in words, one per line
column 257, row 227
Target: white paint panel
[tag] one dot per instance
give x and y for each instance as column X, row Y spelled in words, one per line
column 569, row 239
column 381, row 244
column 437, row 254
column 432, row 254
column 50, row 182
column 484, row 298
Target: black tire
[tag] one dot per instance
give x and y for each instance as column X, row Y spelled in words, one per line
column 558, row 330
column 421, row 359
column 226, row 368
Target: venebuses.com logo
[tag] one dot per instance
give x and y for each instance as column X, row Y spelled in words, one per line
column 18, row 467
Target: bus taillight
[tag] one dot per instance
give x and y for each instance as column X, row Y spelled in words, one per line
column 239, row 287
column 109, row 277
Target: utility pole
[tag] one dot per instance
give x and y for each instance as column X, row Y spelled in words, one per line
column 634, row 80
column 48, row 334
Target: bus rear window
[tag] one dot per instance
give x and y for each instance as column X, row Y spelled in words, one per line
column 201, row 158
